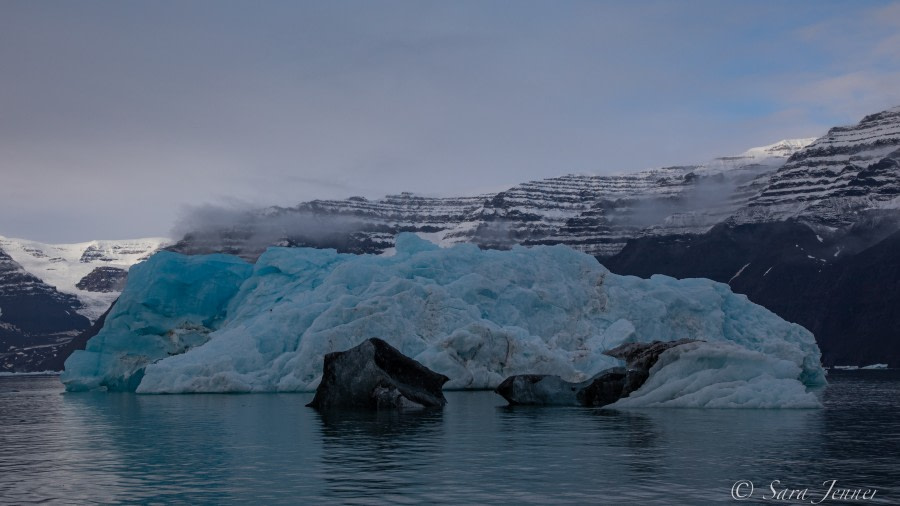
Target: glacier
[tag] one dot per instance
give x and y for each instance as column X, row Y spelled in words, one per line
column 66, row 266
column 215, row 323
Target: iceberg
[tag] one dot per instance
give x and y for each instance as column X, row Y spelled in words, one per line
column 217, row 324
column 172, row 303
column 720, row 375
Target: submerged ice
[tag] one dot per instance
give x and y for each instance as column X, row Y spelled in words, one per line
column 217, row 324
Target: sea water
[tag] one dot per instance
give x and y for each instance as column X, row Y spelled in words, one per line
column 95, row 447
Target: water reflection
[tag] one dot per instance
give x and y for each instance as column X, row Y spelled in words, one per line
column 640, row 435
column 381, row 454
column 200, row 449
column 227, row 449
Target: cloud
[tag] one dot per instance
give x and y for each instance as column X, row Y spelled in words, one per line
column 136, row 109
column 851, row 93
column 221, row 227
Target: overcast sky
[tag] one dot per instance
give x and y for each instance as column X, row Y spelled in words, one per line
column 117, row 116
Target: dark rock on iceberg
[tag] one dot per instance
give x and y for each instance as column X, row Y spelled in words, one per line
column 604, row 388
column 375, row 375
column 546, row 390
column 539, row 389
column 639, row 358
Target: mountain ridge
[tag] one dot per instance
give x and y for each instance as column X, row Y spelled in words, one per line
column 595, row 214
column 51, row 293
column 839, row 193
column 66, row 265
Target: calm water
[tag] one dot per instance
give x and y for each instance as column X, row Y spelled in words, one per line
column 266, row 449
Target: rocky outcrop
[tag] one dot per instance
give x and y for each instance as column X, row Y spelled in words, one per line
column 604, row 388
column 103, row 279
column 375, row 375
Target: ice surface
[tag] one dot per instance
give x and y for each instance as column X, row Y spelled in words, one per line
column 476, row 316
column 171, row 303
column 721, row 375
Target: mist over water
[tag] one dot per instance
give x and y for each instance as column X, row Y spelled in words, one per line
column 228, row 449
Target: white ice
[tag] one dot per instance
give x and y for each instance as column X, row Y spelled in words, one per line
column 476, row 316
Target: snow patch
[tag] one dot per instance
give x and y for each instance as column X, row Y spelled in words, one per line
column 738, row 273
column 782, row 148
column 64, row 265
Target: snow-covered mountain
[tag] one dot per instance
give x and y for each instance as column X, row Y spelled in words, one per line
column 818, row 243
column 851, row 169
column 598, row 214
column 35, row 318
column 829, row 183
column 50, row 293
column 355, row 225
column 809, row 228
column 94, row 272
column 592, row 213
column 844, row 185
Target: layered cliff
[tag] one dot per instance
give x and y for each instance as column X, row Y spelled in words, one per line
column 595, row 214
column 828, row 183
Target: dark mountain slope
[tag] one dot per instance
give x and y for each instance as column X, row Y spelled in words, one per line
column 35, row 319
column 844, row 288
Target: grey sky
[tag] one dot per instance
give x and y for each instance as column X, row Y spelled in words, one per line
column 114, row 116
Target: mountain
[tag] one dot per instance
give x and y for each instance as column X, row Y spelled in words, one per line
column 93, row 271
column 354, row 225
column 845, row 287
column 849, row 170
column 598, row 214
column 818, row 244
column 804, row 227
column 51, row 293
column 35, row 318
column 591, row 213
